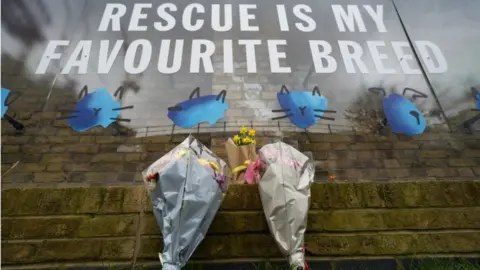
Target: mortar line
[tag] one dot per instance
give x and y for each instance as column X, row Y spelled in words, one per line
column 138, row 236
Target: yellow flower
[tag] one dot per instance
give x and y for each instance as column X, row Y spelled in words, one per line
column 236, row 139
column 254, row 142
column 246, row 140
column 243, row 130
column 251, row 133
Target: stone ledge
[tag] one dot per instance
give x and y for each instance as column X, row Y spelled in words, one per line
column 41, row 251
column 345, row 220
column 244, row 246
column 358, row 244
column 359, row 220
column 81, row 226
column 324, row 263
column 331, row 195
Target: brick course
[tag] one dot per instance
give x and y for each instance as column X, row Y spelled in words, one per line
column 349, row 219
column 49, row 153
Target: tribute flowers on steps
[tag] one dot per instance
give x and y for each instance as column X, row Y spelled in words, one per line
column 240, row 152
column 186, row 188
column 285, row 179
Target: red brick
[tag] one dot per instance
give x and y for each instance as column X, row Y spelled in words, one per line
column 471, row 153
column 400, row 173
column 83, row 148
column 63, row 139
column 441, row 172
column 56, row 158
column 354, row 174
column 46, row 177
column 467, row 172
column 435, row 162
column 54, row 167
column 362, row 146
column 156, row 147
column 10, row 148
column 405, row 145
column 108, row 157
column 433, row 154
column 129, row 157
column 12, row 157
column 30, row 167
column 391, row 163
column 316, row 146
column 458, row 162
column 98, row 177
column 343, row 155
column 338, row 146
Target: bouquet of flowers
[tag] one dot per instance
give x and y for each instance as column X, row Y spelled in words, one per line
column 286, row 176
column 240, row 152
column 186, row 188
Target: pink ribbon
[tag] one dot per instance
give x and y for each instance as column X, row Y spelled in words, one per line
column 252, row 174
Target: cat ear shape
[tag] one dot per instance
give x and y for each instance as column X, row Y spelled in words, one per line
column 83, row 92
column 12, row 97
column 377, row 90
column 222, row 95
column 475, row 92
column 196, row 92
column 417, row 94
column 284, row 90
column 316, row 90
column 119, row 92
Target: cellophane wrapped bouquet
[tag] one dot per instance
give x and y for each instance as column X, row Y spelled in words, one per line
column 285, row 176
column 186, row 188
column 241, row 152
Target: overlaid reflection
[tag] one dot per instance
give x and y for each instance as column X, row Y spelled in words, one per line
column 455, row 29
column 324, row 66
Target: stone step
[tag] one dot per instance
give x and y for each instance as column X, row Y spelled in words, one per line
column 405, row 263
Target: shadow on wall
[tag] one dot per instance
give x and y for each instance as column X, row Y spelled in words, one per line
column 366, row 112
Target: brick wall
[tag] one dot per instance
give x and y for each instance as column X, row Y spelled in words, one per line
column 65, row 157
column 362, row 220
column 51, row 153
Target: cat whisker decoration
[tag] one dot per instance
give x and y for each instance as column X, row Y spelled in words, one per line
column 175, row 108
column 283, row 117
column 66, row 111
column 98, row 108
column 66, row 117
column 325, row 111
column 121, row 119
column 324, row 118
column 277, row 111
column 299, row 106
column 8, row 97
column 123, row 108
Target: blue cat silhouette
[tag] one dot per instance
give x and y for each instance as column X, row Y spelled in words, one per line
column 199, row 109
column 401, row 114
column 476, row 94
column 303, row 108
column 98, row 108
column 468, row 125
column 5, row 94
column 7, row 99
